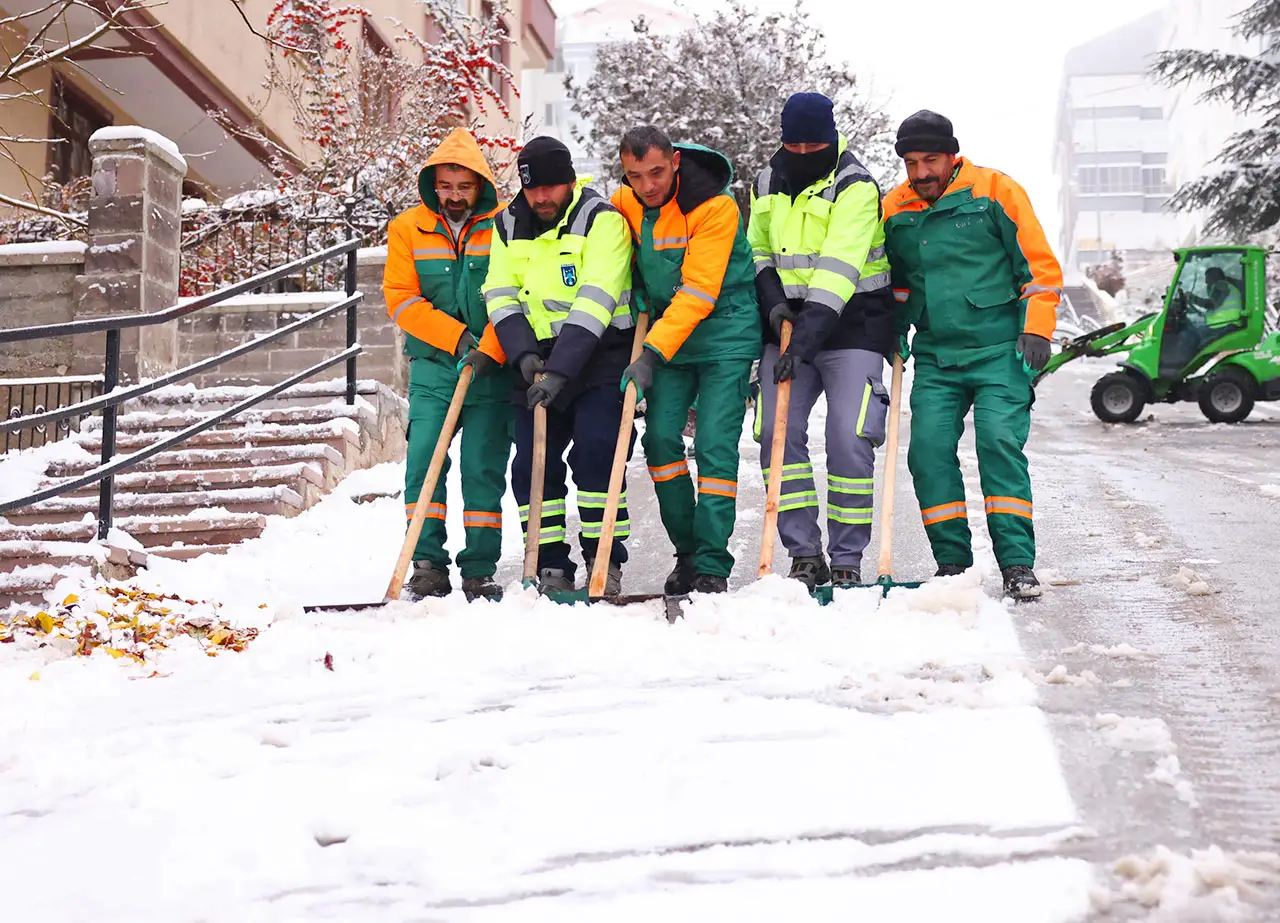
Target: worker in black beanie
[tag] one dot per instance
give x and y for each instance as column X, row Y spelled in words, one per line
column 558, row 293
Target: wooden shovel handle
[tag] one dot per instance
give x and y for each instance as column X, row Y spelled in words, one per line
column 429, row 482
column 600, row 569
column 782, row 400
column 890, row 471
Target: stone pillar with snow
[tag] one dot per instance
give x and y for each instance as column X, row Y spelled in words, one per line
column 131, row 263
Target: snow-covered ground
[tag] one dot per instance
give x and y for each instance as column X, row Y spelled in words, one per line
column 914, row 758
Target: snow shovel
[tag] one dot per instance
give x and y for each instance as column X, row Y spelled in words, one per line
column 594, row 592
column 884, row 578
column 424, row 498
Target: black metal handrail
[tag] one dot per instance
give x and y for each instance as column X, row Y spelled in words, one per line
column 113, row 396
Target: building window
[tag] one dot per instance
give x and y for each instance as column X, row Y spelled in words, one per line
column 556, row 65
column 1155, row 181
column 1109, row 180
column 499, row 54
column 75, row 117
column 551, row 114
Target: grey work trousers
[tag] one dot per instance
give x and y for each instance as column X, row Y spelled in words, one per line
column 857, row 409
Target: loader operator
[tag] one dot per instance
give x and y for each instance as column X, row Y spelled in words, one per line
column 693, row 270
column 974, row 275
column 820, row 263
column 558, row 293
column 437, row 256
column 1225, row 303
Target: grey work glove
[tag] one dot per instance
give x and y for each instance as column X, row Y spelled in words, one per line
column 641, row 372
column 777, row 314
column 530, row 365
column 1034, row 350
column 466, row 343
column 547, row 390
column 482, row 364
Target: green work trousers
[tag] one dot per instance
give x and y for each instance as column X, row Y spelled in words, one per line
column 697, row 524
column 998, row 389
column 486, row 447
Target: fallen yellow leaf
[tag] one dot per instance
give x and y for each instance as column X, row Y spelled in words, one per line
column 45, row 621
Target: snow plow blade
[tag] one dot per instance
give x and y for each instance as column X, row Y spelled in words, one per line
column 570, row 597
column 824, row 594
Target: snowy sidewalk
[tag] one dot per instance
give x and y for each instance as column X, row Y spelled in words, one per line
column 762, row 759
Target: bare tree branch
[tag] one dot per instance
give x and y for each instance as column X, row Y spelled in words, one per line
column 41, row 210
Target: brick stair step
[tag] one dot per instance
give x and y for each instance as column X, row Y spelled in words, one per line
column 335, row 433
column 185, row 552
column 329, row 458
column 305, row 394
column 15, row 555
column 296, row 475
column 268, row 501
column 222, row 529
column 182, row 417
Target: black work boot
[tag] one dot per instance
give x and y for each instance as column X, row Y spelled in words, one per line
column 1020, row 582
column 710, row 583
column 428, row 581
column 612, row 583
column 950, row 570
column 481, row 588
column 554, row 578
column 680, row 580
column 844, row 576
column 811, row 570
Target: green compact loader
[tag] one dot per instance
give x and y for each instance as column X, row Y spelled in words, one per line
column 1209, row 344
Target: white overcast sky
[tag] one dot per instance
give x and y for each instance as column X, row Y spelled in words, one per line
column 993, row 67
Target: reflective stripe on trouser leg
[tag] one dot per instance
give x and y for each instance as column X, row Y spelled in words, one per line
column 851, row 459
column 553, row 548
column 940, row 399
column 596, row 417
column 486, row 447
column 667, row 401
column 1001, row 423
column 426, row 417
column 798, row 507
column 722, row 405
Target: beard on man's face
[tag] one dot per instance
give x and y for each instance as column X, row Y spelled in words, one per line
column 928, row 187
column 456, row 209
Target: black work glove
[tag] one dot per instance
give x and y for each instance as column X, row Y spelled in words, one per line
column 547, row 390
column 466, row 343
column 1034, row 350
column 777, row 314
column 786, row 368
column 641, row 372
column 530, row 365
column 482, row 364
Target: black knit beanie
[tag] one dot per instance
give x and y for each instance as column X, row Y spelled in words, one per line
column 927, row 133
column 545, row 162
column 807, row 118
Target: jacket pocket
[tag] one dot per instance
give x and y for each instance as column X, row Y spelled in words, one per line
column 994, row 296
column 874, row 413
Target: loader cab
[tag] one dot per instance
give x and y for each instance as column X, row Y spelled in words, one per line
column 1208, row 307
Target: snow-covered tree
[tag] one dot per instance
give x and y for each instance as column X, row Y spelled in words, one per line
column 722, row 83
column 368, row 115
column 1241, row 191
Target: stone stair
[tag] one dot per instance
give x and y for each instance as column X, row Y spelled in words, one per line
column 215, row 490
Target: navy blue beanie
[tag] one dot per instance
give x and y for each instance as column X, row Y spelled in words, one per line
column 807, row 119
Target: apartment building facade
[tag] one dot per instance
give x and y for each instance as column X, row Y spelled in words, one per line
column 1112, row 151
column 187, row 58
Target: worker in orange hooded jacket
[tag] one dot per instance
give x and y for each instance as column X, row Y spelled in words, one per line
column 437, row 258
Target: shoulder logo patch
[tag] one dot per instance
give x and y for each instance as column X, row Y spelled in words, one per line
column 569, row 274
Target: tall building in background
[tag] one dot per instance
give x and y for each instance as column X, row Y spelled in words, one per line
column 1197, row 130
column 1112, row 150
column 579, row 35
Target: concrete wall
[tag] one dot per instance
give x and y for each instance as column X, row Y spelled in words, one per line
column 221, row 327
column 37, row 283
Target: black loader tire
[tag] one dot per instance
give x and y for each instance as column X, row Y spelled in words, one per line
column 1228, row 396
column 1118, row 398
